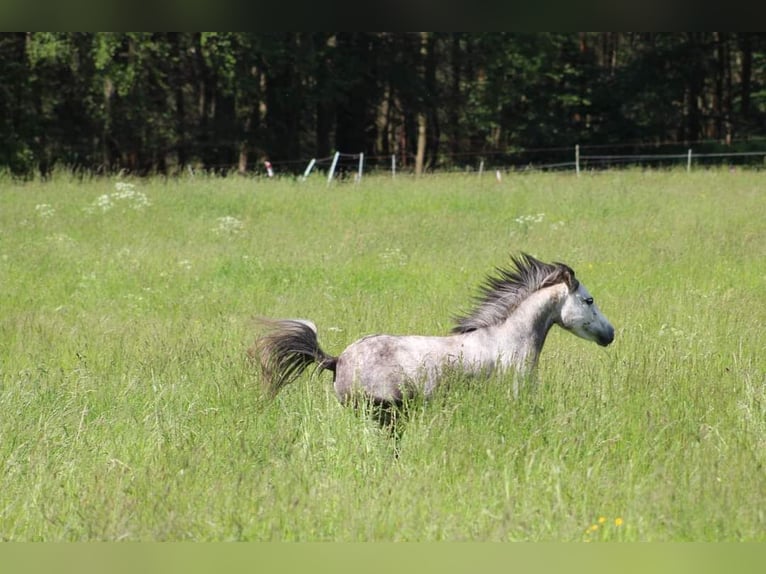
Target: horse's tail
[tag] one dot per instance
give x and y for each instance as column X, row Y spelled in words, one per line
column 285, row 350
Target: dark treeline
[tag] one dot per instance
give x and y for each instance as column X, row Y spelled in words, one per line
column 159, row 102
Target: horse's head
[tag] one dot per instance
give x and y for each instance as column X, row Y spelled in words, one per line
column 580, row 314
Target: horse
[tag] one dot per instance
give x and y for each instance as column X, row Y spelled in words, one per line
column 506, row 330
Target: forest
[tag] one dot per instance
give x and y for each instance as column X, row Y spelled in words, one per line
column 161, row 103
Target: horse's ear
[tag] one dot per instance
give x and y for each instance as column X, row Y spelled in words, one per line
column 570, row 279
column 567, row 275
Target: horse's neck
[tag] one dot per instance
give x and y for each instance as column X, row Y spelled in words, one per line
column 518, row 341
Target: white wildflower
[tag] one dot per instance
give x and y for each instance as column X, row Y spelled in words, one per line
column 44, row 210
column 527, row 219
column 228, row 225
column 140, row 200
column 124, row 190
column 104, row 202
column 394, row 256
column 125, row 194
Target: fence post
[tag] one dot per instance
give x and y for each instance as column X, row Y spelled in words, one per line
column 577, row 159
column 361, row 164
column 689, row 161
column 309, row 168
column 332, row 167
column 481, row 168
column 393, row 166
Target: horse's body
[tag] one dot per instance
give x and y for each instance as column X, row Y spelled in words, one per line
column 507, row 330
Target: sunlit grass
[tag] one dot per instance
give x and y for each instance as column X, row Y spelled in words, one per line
column 130, row 412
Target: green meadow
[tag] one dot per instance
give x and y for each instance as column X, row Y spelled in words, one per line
column 130, row 412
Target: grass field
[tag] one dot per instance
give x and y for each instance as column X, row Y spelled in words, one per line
column 129, row 411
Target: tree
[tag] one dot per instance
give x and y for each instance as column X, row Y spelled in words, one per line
column 162, row 102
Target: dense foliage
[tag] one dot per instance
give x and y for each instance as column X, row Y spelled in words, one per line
column 160, row 102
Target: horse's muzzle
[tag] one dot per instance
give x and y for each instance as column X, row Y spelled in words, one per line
column 607, row 338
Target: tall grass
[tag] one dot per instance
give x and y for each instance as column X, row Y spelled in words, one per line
column 130, row 413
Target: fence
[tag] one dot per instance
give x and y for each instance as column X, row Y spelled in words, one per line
column 577, row 159
column 689, row 157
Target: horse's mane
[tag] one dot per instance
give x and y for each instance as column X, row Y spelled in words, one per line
column 503, row 292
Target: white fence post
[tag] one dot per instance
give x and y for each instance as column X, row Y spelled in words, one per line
column 481, row 168
column 393, row 166
column 577, row 159
column 689, row 161
column 332, row 167
column 309, row 168
column 361, row 165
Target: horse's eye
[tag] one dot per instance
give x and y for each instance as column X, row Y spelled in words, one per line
column 588, row 301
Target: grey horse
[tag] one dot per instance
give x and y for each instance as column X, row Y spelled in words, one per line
column 506, row 330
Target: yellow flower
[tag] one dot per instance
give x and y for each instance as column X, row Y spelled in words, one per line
column 601, row 519
column 618, row 521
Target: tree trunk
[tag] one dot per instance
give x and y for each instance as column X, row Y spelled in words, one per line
column 728, row 125
column 694, row 88
column 106, row 157
column 242, row 163
column 421, row 153
column 454, row 99
column 422, row 118
column 324, row 103
column 718, row 99
column 746, row 46
column 431, row 96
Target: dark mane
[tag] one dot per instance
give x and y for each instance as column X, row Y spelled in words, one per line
column 501, row 293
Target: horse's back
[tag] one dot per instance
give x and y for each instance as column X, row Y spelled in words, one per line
column 386, row 367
